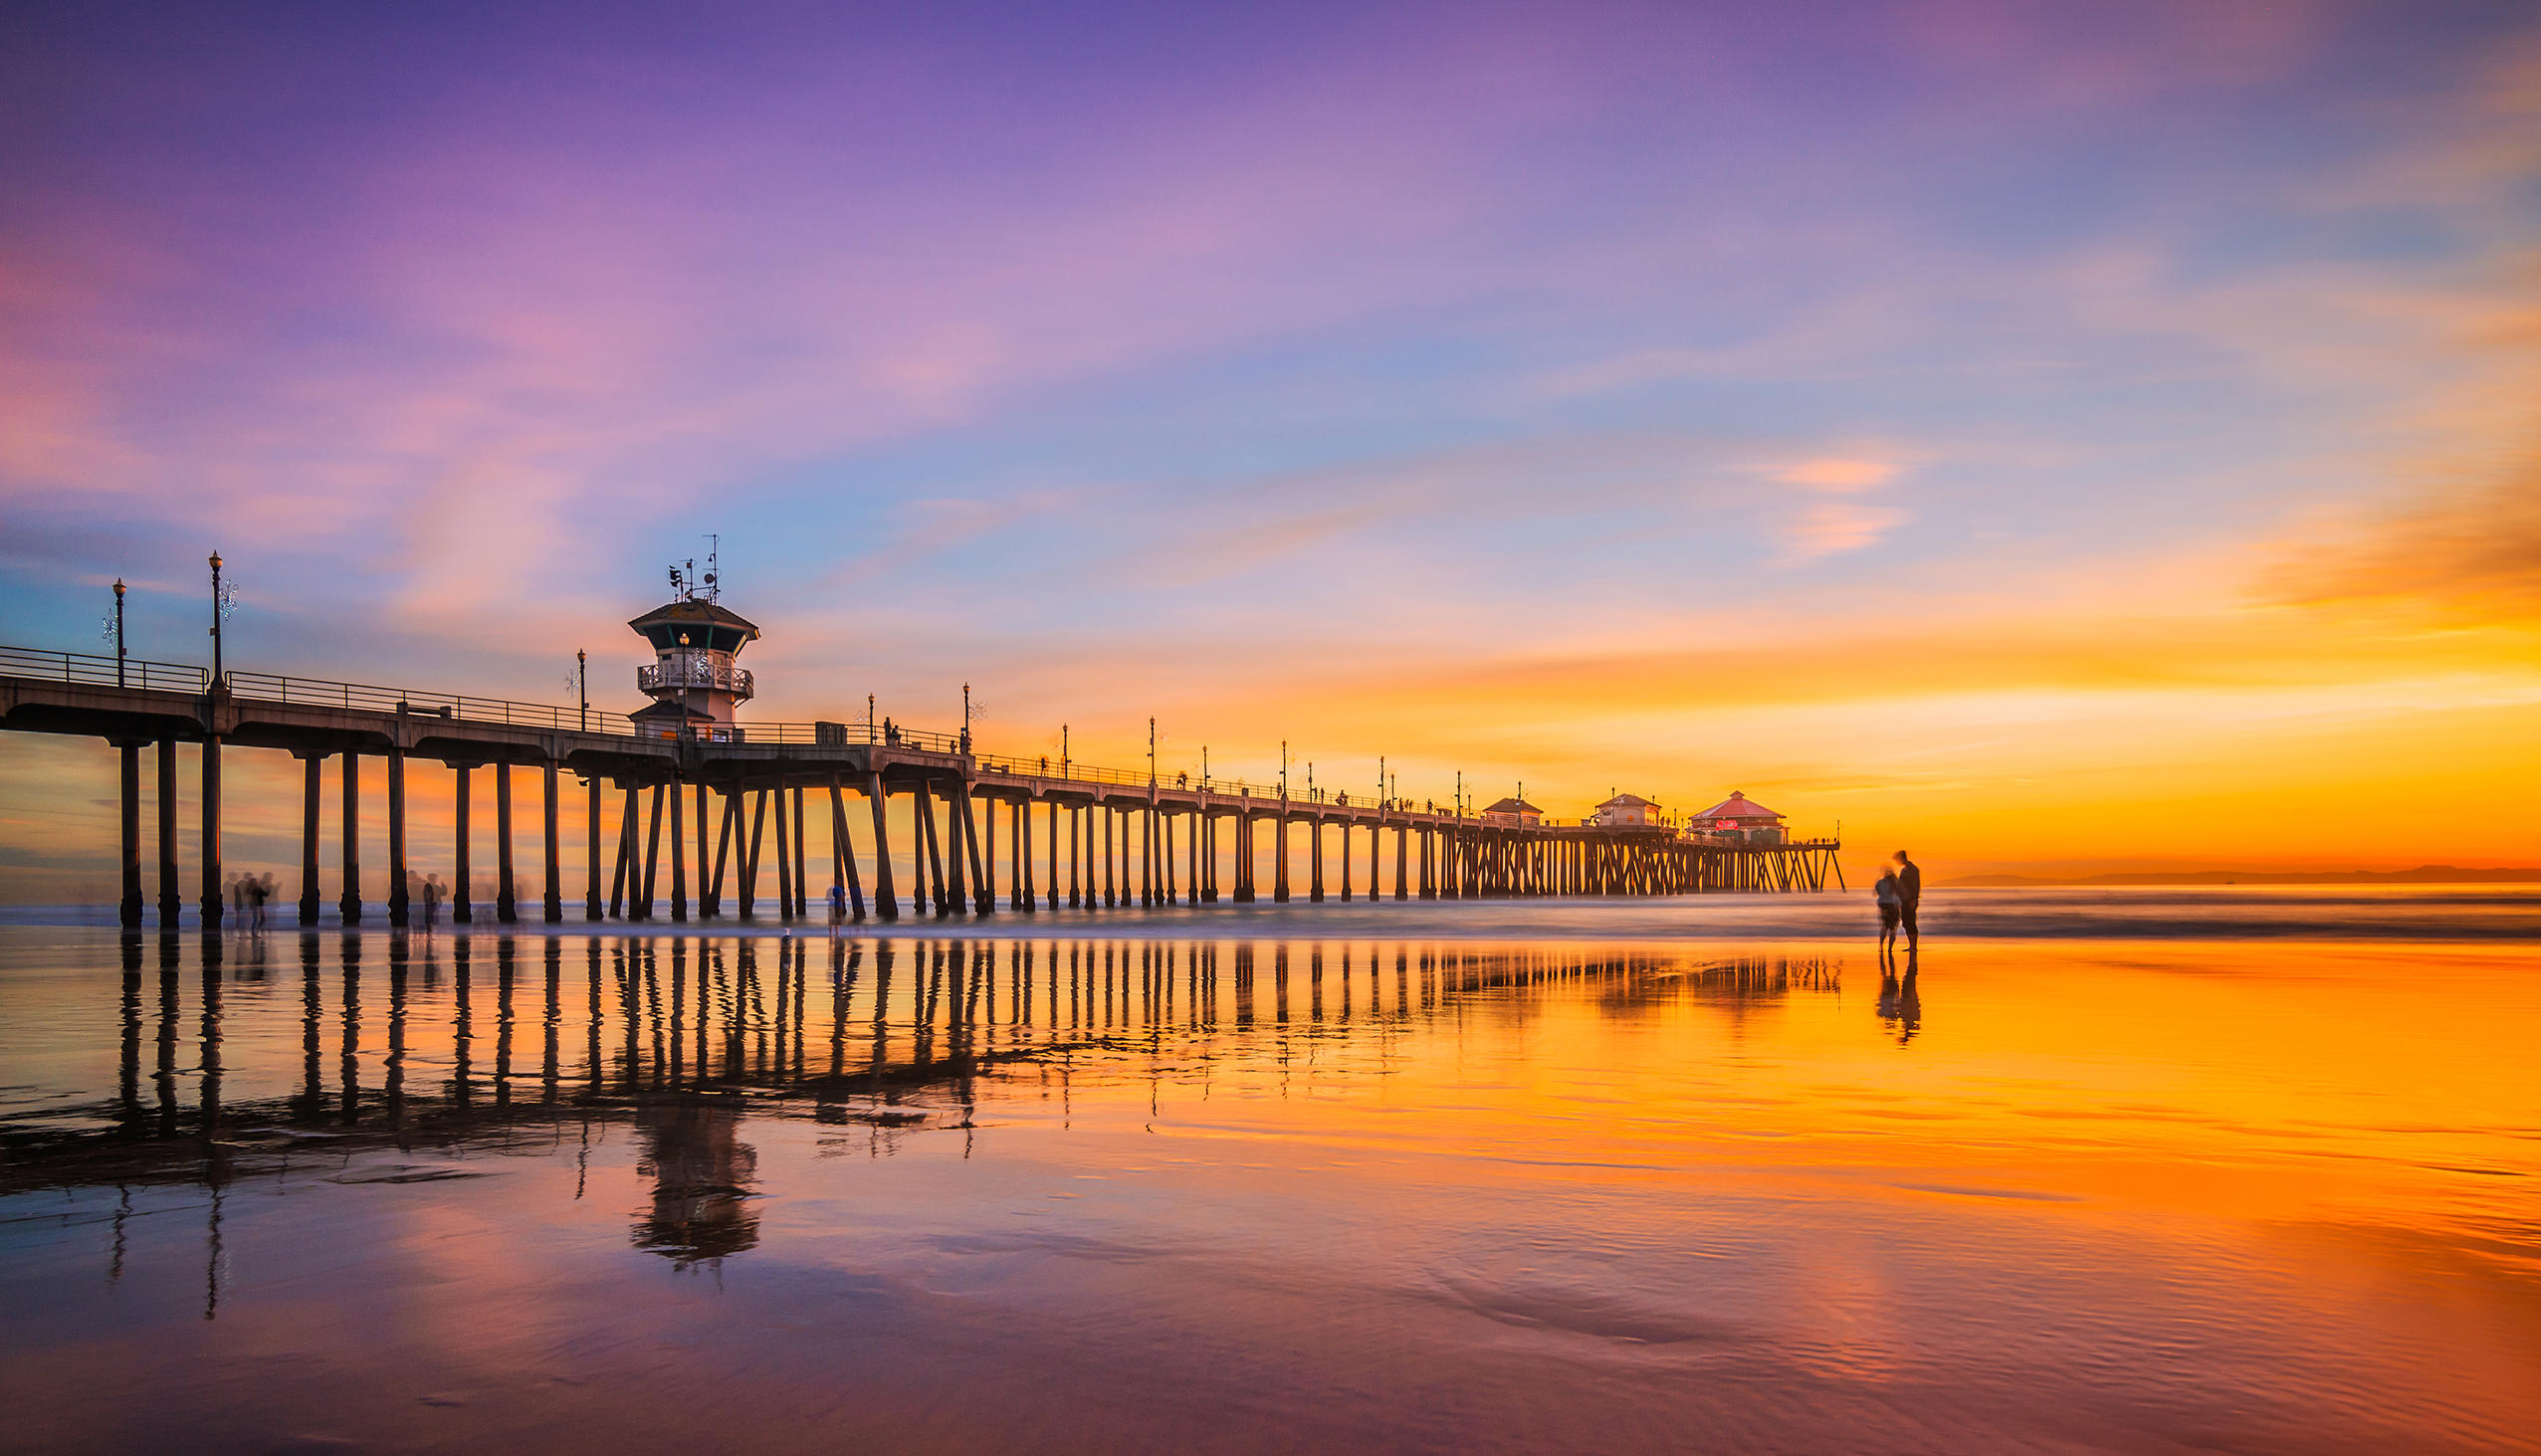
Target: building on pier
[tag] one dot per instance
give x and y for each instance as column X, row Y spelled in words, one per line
column 1513, row 814
column 1738, row 819
column 693, row 680
column 1625, row 811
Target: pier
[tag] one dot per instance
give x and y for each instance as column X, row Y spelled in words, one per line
column 680, row 809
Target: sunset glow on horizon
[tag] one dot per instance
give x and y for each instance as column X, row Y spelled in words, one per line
column 2057, row 439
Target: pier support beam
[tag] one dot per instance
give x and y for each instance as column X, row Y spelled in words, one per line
column 986, row 878
column 951, row 892
column 171, row 894
column 710, row 895
column 802, row 866
column 653, row 853
column 885, row 904
column 1279, row 856
column 1245, row 866
column 1402, row 856
column 211, row 806
column 842, row 849
column 348, row 849
column 311, row 763
column 983, row 899
column 1027, row 897
column 128, row 806
column 620, row 887
column 553, row 910
column 401, row 906
column 506, row 907
column 1315, row 860
column 924, row 889
column 704, row 895
column 463, row 910
column 679, row 856
column 784, row 864
column 591, row 863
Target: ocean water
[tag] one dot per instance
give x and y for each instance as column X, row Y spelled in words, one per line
column 2113, row 1170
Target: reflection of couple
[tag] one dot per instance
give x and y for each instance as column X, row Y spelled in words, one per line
column 1900, row 1003
column 1899, row 890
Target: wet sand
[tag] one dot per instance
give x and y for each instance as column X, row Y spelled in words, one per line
column 1293, row 1192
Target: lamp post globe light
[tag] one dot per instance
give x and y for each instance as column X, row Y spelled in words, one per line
column 216, row 617
column 115, row 631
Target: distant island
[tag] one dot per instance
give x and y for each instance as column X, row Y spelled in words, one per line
column 2423, row 874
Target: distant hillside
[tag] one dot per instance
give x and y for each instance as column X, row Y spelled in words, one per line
column 2423, row 874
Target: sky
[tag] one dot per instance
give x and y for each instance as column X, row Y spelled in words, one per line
column 2063, row 437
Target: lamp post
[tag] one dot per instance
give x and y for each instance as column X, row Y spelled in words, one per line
column 966, row 718
column 1150, row 755
column 688, row 676
column 216, row 618
column 582, row 685
column 115, row 631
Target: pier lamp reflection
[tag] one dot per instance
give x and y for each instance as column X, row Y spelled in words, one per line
column 702, row 1175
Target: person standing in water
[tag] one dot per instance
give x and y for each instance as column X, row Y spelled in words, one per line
column 1909, row 895
column 1891, row 906
column 838, row 908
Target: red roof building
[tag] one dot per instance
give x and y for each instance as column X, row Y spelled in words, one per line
column 1741, row 816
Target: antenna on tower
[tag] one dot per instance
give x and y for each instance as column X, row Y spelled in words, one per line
column 713, row 572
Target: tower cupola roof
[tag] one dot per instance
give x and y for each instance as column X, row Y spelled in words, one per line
column 708, row 628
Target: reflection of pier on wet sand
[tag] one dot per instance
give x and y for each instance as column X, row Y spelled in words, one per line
column 541, row 1031
column 501, row 1044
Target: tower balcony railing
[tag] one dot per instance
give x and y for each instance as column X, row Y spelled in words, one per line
column 698, row 673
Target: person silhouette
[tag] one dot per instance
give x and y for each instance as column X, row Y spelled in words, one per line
column 1909, row 896
column 1891, row 909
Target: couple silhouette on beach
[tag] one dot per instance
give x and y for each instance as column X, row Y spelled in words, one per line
column 1899, row 891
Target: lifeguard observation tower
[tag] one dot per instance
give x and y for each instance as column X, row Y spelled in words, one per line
column 693, row 682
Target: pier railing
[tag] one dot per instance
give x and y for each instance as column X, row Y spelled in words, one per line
column 322, row 693
column 89, row 670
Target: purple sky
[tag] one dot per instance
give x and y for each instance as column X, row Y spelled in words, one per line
column 1284, row 371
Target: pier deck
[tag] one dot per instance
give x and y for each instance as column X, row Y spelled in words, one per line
column 1130, row 838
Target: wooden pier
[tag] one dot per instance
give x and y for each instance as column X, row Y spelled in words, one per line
column 1076, row 837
